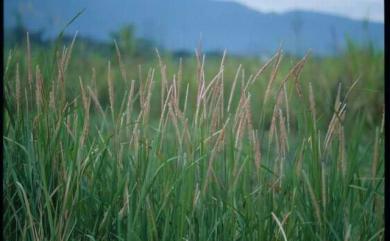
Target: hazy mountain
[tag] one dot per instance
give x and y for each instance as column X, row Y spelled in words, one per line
column 179, row 24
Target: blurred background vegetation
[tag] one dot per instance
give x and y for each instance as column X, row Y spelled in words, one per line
column 363, row 62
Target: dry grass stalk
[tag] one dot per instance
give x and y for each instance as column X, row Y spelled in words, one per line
column 221, row 103
column 179, row 77
column 175, row 92
column 283, row 134
column 209, row 138
column 319, row 146
column 338, row 116
column 196, row 195
column 29, row 62
column 122, row 116
column 38, row 88
column 201, row 86
column 125, row 208
column 69, row 54
column 273, row 75
column 52, row 94
column 223, row 59
column 129, row 108
column 351, row 88
column 164, row 78
column 240, row 126
column 143, row 89
column 211, row 98
column 215, row 115
column 61, row 76
column 256, row 150
column 286, row 217
column 186, row 136
column 348, row 233
column 121, row 123
column 274, row 116
column 375, row 156
column 294, row 73
column 135, row 135
column 75, row 116
column 198, row 102
column 220, row 100
column 323, row 185
column 337, row 102
column 287, row 108
column 174, row 103
column 298, row 169
column 93, row 81
column 312, row 105
column 84, row 96
column 140, row 73
column 248, row 113
column 331, row 129
column 240, row 122
column 233, row 87
column 164, row 127
column 96, row 101
column 255, row 142
column 343, row 163
column 239, row 109
column 28, row 210
column 204, row 111
column 148, row 96
column 242, row 80
column 69, row 128
column 334, row 124
column 175, row 124
column 177, row 110
column 86, row 101
column 186, row 99
column 121, row 65
column 297, row 72
column 280, row 226
column 199, row 65
column 383, row 120
column 26, row 100
column 282, row 147
column 312, row 197
column 17, row 90
column 246, row 86
column 165, row 104
column 262, row 68
column 213, row 155
column 217, row 105
column 211, row 84
column 110, row 89
column 64, row 56
column 278, row 165
column 8, row 61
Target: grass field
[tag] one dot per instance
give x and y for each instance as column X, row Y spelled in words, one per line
column 230, row 148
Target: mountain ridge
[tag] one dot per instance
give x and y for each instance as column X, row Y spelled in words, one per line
column 178, row 25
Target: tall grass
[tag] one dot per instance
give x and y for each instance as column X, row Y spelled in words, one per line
column 170, row 158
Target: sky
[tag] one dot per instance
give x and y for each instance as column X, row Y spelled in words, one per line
column 356, row 9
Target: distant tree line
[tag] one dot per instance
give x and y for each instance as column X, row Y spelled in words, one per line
column 129, row 44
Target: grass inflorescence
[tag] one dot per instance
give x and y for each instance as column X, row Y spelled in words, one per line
column 170, row 158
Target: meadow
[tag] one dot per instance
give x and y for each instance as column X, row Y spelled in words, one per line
column 119, row 147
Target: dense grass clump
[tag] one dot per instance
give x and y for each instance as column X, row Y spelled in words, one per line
column 181, row 156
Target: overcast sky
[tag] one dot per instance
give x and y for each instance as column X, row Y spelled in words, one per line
column 356, row 9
